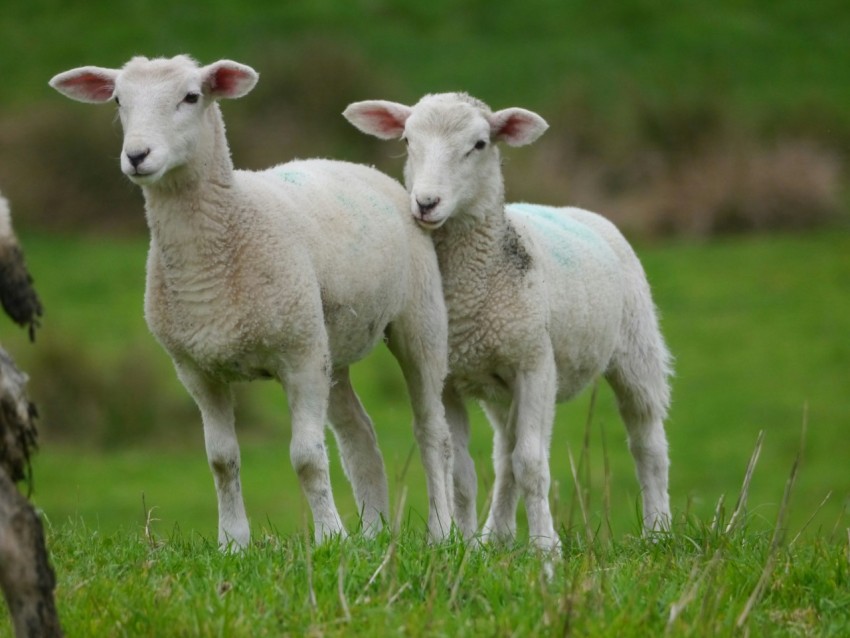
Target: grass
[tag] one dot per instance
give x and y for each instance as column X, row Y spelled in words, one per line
column 402, row 586
column 758, row 326
column 721, row 577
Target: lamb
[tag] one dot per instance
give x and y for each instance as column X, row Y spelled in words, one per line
column 541, row 302
column 291, row 273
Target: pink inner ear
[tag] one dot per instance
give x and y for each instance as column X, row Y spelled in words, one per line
column 512, row 127
column 226, row 80
column 92, row 85
column 384, row 120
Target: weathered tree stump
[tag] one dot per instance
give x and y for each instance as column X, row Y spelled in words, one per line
column 17, row 296
column 26, row 578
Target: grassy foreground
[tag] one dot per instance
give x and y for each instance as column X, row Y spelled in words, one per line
column 700, row 580
column 728, row 575
column 759, row 327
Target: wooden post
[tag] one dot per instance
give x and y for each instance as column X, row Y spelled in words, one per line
column 26, row 578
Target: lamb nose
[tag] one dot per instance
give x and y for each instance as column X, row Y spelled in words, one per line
column 427, row 204
column 138, row 158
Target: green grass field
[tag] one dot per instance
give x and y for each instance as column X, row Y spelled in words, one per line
column 634, row 91
column 699, row 581
column 758, row 327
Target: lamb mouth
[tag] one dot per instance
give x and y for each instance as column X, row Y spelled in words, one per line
column 144, row 177
column 428, row 224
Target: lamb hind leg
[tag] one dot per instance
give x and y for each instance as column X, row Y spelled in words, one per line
column 358, row 448
column 215, row 401
column 465, row 480
column 642, row 400
column 648, row 445
column 307, row 389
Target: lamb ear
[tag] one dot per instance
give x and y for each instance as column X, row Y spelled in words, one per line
column 228, row 79
column 378, row 117
column 516, row 127
column 92, row 84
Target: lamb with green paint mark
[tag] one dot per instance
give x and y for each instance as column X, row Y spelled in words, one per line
column 541, row 302
column 267, row 275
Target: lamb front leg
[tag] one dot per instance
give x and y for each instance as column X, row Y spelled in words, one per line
column 215, row 401
column 500, row 525
column 521, row 454
column 533, row 407
column 358, row 447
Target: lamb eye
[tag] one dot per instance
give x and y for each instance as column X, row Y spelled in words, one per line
column 191, row 98
column 480, row 144
column 117, row 101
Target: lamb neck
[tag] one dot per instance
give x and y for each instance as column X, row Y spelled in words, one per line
column 192, row 216
column 469, row 244
column 480, row 272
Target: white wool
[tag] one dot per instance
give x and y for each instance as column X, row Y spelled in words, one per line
column 292, row 273
column 541, row 301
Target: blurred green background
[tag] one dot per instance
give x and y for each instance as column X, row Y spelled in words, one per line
column 714, row 134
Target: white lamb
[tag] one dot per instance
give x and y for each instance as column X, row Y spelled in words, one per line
column 291, row 273
column 541, row 302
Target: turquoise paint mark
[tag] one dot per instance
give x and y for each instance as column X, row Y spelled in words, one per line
column 563, row 235
column 348, row 202
column 555, row 216
column 372, row 205
column 382, row 205
column 355, row 207
column 288, row 175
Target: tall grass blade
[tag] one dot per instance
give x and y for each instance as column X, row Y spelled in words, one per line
column 838, row 520
column 689, row 594
column 778, row 535
column 149, row 521
column 741, row 505
column 459, row 577
column 578, row 492
column 717, row 519
column 583, row 465
column 308, row 566
column 391, row 548
column 584, row 461
column 606, row 483
column 340, row 583
column 810, row 519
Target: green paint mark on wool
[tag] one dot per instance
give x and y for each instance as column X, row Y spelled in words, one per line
column 382, row 204
column 561, row 234
column 290, row 176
